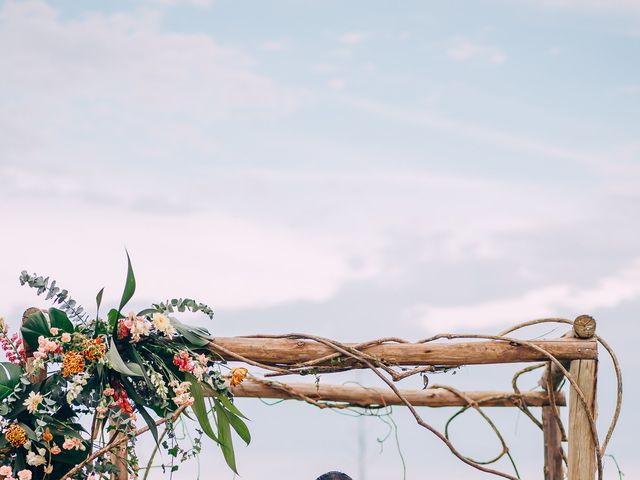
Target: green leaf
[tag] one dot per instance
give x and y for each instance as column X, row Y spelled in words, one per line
column 60, row 320
column 147, row 311
column 4, row 393
column 33, row 327
column 200, row 409
column 128, row 369
column 99, row 301
column 129, row 285
column 196, row 336
column 239, row 426
column 224, row 435
column 9, row 377
column 31, row 435
column 139, row 402
column 230, row 406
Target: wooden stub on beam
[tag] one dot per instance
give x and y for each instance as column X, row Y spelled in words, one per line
column 369, row 396
column 290, row 352
column 584, row 326
column 582, row 459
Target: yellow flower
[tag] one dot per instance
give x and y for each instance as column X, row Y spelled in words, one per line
column 15, row 435
column 238, row 375
column 72, row 363
column 94, row 349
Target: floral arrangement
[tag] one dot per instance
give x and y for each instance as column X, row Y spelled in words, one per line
column 75, row 383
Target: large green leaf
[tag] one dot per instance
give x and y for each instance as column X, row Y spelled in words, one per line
column 118, row 364
column 224, row 437
column 33, row 327
column 230, row 406
column 238, row 425
column 9, row 377
column 129, row 285
column 60, row 320
column 200, row 409
column 196, row 336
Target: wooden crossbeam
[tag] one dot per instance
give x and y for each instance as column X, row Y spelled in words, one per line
column 274, row 351
column 370, row 396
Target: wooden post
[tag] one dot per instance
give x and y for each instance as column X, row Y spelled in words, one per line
column 553, row 468
column 119, row 458
column 582, row 449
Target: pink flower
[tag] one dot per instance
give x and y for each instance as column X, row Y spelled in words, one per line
column 66, row 337
column 24, row 474
column 5, row 471
column 54, row 331
column 55, row 450
column 108, row 392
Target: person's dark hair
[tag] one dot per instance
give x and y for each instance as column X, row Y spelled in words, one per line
column 334, row 476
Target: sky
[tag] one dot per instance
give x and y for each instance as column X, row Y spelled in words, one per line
column 349, row 169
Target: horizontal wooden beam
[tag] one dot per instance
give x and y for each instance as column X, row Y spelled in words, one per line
column 276, row 351
column 369, row 396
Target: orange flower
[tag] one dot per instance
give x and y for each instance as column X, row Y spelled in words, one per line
column 238, row 375
column 47, row 436
column 94, row 349
column 72, row 363
column 15, row 435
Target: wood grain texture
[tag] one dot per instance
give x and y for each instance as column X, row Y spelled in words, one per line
column 289, row 352
column 582, row 459
column 370, row 396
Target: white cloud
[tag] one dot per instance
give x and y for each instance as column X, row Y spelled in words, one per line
column 465, row 50
column 554, row 300
column 353, row 38
column 78, row 88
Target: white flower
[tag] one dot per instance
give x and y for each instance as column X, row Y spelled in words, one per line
column 33, row 401
column 158, row 382
column 163, row 324
column 27, row 445
column 34, row 459
column 77, row 384
column 139, row 326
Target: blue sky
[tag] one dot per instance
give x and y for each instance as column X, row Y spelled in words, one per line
column 353, row 169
